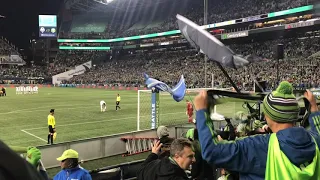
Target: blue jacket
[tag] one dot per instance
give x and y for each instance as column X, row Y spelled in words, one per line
column 77, row 173
column 248, row 156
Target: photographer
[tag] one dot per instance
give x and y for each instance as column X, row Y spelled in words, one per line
column 273, row 156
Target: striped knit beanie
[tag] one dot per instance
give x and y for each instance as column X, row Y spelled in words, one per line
column 281, row 105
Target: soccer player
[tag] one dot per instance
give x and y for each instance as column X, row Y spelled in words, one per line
column 51, row 125
column 189, row 111
column 103, row 106
column 118, row 102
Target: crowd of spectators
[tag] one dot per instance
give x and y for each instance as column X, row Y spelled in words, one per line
column 297, row 67
column 6, row 48
column 66, row 60
column 218, row 11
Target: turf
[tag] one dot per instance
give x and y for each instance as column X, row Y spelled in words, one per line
column 23, row 118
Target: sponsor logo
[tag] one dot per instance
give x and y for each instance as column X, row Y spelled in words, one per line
column 235, row 35
column 299, row 24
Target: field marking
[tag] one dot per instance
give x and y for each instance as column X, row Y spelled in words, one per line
column 37, row 108
column 44, row 108
column 33, row 135
column 92, row 122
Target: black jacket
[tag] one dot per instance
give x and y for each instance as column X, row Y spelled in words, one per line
column 201, row 170
column 160, row 169
column 13, row 167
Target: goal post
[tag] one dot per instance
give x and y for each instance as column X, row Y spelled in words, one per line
column 156, row 109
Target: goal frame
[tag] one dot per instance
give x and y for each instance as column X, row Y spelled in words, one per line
column 150, row 91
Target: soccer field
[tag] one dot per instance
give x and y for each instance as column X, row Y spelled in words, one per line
column 23, row 118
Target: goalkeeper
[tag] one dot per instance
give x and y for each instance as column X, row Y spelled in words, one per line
column 288, row 153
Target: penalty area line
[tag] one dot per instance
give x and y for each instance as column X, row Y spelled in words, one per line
column 33, row 135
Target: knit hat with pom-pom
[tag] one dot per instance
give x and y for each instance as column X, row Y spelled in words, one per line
column 281, row 105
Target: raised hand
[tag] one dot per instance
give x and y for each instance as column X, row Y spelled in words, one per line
column 156, row 146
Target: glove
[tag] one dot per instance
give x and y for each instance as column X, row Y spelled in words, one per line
column 33, row 156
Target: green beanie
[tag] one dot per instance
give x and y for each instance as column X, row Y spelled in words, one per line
column 281, row 105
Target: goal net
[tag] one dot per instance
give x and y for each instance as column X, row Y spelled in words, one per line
column 168, row 112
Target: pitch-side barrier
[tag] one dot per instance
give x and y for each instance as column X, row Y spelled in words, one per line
column 101, row 147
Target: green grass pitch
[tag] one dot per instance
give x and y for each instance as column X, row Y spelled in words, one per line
column 23, row 118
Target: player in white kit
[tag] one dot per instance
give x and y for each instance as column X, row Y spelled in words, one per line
column 103, row 106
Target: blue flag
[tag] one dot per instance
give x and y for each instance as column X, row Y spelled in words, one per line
column 178, row 92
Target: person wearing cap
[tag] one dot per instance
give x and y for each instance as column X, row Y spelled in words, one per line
column 165, row 140
column 69, row 162
column 51, row 125
column 288, row 153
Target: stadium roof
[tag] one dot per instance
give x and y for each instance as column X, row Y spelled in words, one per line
column 110, row 5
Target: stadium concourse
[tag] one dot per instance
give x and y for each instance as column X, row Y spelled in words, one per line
column 119, row 71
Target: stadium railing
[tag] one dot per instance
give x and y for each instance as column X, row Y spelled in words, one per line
column 123, row 171
column 101, row 147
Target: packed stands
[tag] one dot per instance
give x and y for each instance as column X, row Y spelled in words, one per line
column 169, row 65
column 66, row 60
column 9, row 53
column 219, row 11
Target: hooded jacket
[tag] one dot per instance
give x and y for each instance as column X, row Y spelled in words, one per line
column 160, row 169
column 249, row 155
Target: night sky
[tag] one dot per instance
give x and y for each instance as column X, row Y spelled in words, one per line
column 22, row 18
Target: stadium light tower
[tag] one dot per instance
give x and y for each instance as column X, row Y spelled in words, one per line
column 205, row 22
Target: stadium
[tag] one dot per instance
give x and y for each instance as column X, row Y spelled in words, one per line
column 96, row 50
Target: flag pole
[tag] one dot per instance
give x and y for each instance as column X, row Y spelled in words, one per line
column 205, row 22
column 212, row 80
column 228, row 77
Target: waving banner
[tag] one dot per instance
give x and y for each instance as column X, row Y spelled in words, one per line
column 178, row 92
column 209, row 45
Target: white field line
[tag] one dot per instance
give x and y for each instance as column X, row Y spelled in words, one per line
column 33, row 135
column 92, row 122
column 37, row 108
column 61, row 108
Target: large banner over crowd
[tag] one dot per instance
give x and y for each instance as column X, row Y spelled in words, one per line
column 56, row 79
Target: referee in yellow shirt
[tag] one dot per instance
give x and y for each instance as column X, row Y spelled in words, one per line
column 51, row 125
column 118, row 102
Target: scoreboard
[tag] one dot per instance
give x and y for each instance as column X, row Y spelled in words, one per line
column 47, row 26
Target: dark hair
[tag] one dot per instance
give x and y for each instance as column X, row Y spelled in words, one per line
column 178, row 145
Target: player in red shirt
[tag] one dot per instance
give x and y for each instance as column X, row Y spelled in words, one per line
column 189, row 111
